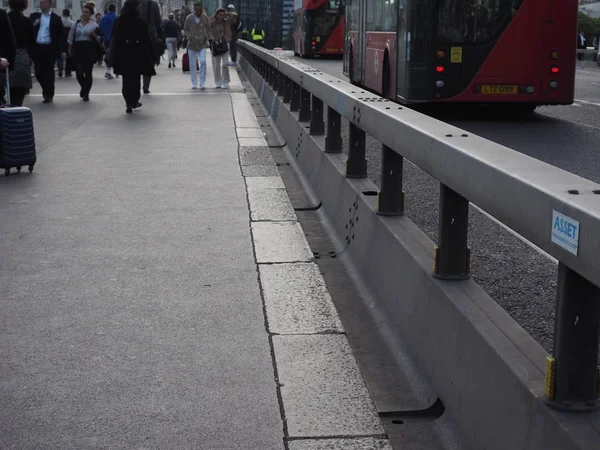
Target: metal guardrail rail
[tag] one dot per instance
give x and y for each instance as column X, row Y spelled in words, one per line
column 587, row 57
column 554, row 209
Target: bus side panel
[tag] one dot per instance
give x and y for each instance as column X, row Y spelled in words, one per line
column 378, row 44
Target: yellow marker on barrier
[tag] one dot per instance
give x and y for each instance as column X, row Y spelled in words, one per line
column 436, row 259
column 550, row 378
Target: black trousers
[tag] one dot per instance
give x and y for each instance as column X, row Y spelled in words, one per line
column 17, row 95
column 233, row 49
column 84, row 71
column 131, row 89
column 147, row 80
column 44, row 59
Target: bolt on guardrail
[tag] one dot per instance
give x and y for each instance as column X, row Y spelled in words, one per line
column 524, row 195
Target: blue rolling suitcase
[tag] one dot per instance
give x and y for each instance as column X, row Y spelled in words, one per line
column 17, row 140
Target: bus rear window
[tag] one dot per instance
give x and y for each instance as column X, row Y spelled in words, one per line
column 474, row 21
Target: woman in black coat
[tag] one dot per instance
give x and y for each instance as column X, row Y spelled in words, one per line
column 130, row 52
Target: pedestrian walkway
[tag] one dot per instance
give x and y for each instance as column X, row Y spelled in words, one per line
column 157, row 290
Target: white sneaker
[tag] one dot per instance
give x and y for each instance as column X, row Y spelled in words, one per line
column 226, row 85
column 218, row 86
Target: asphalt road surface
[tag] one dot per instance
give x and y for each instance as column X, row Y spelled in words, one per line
column 520, row 278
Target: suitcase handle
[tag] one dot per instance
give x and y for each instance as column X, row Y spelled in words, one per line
column 7, row 76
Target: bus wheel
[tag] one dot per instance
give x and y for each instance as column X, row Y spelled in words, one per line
column 385, row 87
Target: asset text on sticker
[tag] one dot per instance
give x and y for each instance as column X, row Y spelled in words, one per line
column 565, row 232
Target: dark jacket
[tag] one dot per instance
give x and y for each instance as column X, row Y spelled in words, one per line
column 56, row 32
column 131, row 48
column 23, row 29
column 151, row 12
column 8, row 46
column 172, row 29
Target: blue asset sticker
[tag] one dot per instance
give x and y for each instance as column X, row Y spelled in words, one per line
column 565, row 232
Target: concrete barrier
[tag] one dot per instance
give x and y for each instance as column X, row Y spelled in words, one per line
column 487, row 370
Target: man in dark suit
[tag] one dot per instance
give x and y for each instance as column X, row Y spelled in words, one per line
column 8, row 49
column 48, row 28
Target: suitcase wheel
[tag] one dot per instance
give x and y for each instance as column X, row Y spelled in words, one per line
column 6, row 172
column 31, row 168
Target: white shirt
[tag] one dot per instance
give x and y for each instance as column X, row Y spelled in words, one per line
column 196, row 19
column 43, row 36
column 80, row 33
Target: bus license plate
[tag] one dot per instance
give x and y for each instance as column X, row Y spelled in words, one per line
column 499, row 89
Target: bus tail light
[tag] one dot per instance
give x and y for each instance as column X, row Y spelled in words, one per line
column 554, row 69
column 554, row 54
column 553, row 84
column 441, row 53
column 439, row 69
column 440, row 83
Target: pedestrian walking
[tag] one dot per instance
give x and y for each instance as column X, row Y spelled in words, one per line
column 173, row 38
column 106, row 25
column 65, row 65
column 221, row 34
column 8, row 50
column 83, row 46
column 197, row 32
column 150, row 11
column 20, row 75
column 131, row 52
column 48, row 29
column 236, row 26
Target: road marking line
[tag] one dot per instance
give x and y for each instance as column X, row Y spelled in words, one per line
column 588, row 103
column 153, row 94
column 510, row 230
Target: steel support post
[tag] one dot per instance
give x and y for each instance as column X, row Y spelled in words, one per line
column 295, row 101
column 317, row 125
column 574, row 384
column 451, row 260
column 391, row 198
column 276, row 80
column 304, row 105
column 287, row 89
column 356, row 166
column 333, row 141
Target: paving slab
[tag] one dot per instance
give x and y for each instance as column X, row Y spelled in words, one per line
column 270, row 205
column 131, row 315
column 260, row 170
column 280, row 242
column 341, row 444
column 249, row 133
column 264, row 183
column 322, row 389
column 297, row 300
column 257, row 156
column 252, row 141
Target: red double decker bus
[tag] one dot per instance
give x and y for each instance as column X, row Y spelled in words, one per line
column 515, row 52
column 318, row 27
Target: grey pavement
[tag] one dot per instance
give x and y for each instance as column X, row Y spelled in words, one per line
column 158, row 291
column 131, row 316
